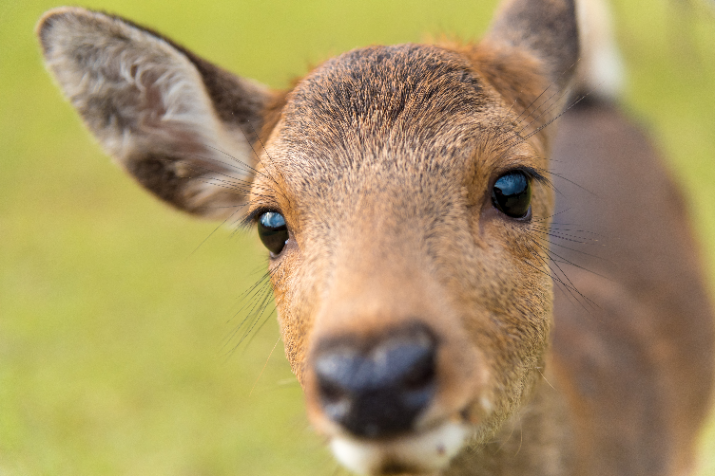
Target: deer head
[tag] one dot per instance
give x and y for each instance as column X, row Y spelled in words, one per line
column 401, row 192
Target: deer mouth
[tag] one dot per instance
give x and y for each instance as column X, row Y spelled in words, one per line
column 390, row 407
column 424, row 452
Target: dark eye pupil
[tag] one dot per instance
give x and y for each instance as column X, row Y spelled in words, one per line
column 273, row 231
column 512, row 194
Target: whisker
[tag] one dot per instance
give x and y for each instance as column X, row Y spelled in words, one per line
column 223, row 223
column 264, row 367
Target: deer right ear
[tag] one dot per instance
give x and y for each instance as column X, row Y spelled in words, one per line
column 544, row 29
column 181, row 126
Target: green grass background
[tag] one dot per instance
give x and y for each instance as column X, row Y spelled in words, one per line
column 115, row 320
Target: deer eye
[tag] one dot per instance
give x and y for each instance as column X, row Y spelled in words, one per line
column 511, row 194
column 273, row 231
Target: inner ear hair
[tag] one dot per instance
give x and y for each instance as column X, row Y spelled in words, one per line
column 182, row 127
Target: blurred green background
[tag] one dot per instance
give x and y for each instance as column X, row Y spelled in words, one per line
column 116, row 313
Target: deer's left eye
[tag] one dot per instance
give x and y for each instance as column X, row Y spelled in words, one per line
column 273, row 231
column 511, row 194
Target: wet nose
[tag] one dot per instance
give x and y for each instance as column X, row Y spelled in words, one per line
column 379, row 389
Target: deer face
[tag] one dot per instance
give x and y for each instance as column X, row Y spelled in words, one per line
column 400, row 192
column 405, row 284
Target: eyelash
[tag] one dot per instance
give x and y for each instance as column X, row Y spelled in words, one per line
column 251, row 219
column 530, row 172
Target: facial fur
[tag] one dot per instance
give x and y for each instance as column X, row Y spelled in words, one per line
column 382, row 164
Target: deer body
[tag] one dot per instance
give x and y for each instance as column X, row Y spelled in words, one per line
column 650, row 338
column 405, row 196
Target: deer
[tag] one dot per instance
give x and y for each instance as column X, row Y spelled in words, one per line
column 424, row 208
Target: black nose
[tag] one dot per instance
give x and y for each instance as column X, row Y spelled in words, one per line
column 377, row 390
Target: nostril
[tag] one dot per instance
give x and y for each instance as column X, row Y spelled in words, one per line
column 379, row 390
column 335, row 401
column 421, row 374
column 335, row 371
column 331, row 392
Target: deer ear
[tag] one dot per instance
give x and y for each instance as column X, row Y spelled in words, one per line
column 544, row 29
column 181, row 126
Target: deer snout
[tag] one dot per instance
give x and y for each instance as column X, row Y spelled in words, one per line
column 377, row 389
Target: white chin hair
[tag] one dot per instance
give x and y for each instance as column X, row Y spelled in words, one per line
column 425, row 452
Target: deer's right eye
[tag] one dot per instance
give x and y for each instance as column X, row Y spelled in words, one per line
column 511, row 194
column 273, row 232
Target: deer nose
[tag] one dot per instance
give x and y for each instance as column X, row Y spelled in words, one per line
column 377, row 390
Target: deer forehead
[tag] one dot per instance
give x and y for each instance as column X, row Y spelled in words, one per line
column 409, row 125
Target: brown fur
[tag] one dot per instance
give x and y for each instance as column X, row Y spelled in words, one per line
column 651, row 334
column 382, row 161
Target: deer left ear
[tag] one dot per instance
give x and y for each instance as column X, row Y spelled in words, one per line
column 182, row 127
column 544, row 29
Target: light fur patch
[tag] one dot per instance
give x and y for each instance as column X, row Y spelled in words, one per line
column 429, row 451
column 600, row 70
